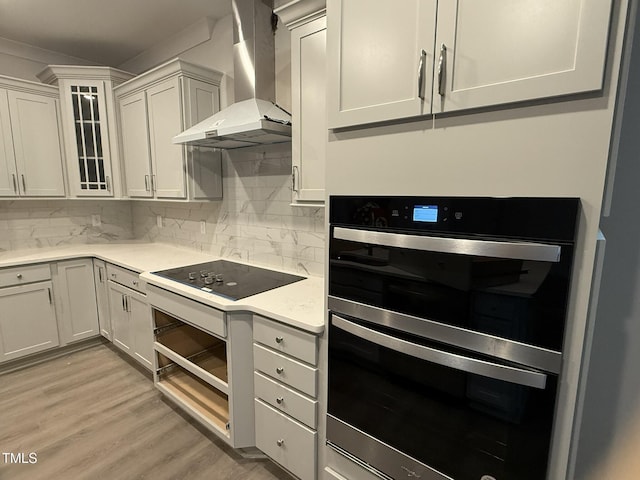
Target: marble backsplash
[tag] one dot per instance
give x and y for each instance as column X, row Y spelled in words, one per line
column 44, row 223
column 254, row 221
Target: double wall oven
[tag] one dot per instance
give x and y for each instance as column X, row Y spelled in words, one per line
column 446, row 326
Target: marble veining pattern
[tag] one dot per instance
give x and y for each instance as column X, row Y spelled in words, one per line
column 254, row 222
column 48, row 223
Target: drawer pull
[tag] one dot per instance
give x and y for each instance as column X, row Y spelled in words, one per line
column 279, row 400
column 279, row 339
column 279, row 370
column 19, row 275
column 135, row 282
column 280, row 442
column 113, row 275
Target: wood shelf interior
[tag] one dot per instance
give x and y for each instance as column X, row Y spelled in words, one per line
column 199, row 395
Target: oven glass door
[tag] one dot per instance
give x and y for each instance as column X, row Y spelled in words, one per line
column 507, row 292
column 463, row 416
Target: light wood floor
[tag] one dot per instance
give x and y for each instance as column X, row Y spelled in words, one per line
column 93, row 415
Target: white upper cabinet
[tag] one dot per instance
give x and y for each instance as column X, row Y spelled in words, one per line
column 31, row 155
column 503, row 51
column 88, row 117
column 308, row 25
column 153, row 108
column 8, row 172
column 165, row 119
column 482, row 53
column 381, row 58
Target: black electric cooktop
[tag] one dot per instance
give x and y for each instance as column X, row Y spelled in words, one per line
column 229, row 279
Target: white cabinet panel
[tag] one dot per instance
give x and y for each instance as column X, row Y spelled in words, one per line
column 77, row 309
column 288, row 442
column 135, row 145
column 102, row 297
column 501, row 51
column 375, row 54
column 141, row 329
column 37, row 146
column 28, row 321
column 309, row 102
column 165, row 121
column 120, row 325
column 8, row 173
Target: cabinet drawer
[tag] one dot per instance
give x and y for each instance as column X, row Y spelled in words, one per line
column 286, row 370
column 284, row 339
column 188, row 311
column 23, row 275
column 125, row 277
column 286, row 400
column 286, row 441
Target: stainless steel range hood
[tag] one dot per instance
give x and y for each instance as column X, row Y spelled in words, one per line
column 254, row 119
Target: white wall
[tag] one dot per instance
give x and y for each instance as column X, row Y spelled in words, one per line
column 24, row 61
column 555, row 148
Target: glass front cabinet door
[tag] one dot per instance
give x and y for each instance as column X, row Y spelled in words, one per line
column 88, row 117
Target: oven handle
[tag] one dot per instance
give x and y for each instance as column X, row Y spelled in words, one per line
column 497, row 371
column 465, row 246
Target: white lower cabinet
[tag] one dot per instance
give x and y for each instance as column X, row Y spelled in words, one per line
column 102, row 297
column 203, row 363
column 28, row 321
column 130, row 316
column 76, row 300
column 286, row 389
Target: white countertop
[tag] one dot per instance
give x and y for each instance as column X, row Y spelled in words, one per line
column 300, row 304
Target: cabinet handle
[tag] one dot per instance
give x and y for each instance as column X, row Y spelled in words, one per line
column 279, row 339
column 108, row 180
column 280, row 442
column 50, row 299
column 100, row 275
column 442, row 66
column 123, row 307
column 126, row 303
column 293, row 178
column 15, row 182
column 153, row 183
column 19, row 276
column 24, row 184
column 279, row 370
column 279, row 400
column 421, row 68
column 146, row 183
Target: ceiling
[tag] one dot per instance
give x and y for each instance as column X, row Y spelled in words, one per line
column 105, row 32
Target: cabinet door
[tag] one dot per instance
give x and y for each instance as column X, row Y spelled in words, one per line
column 141, row 330
column 8, row 174
column 377, row 68
column 36, row 140
column 135, row 145
column 121, row 328
column 102, row 298
column 500, row 51
column 309, row 101
column 165, row 122
column 28, row 321
column 204, row 165
column 87, row 138
column 78, row 310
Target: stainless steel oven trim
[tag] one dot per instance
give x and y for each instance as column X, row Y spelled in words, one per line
column 476, row 366
column 529, row 355
column 386, row 461
column 463, row 246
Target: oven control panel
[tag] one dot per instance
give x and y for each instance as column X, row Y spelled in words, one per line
column 510, row 217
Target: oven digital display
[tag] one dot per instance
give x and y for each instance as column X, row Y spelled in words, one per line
column 425, row 213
